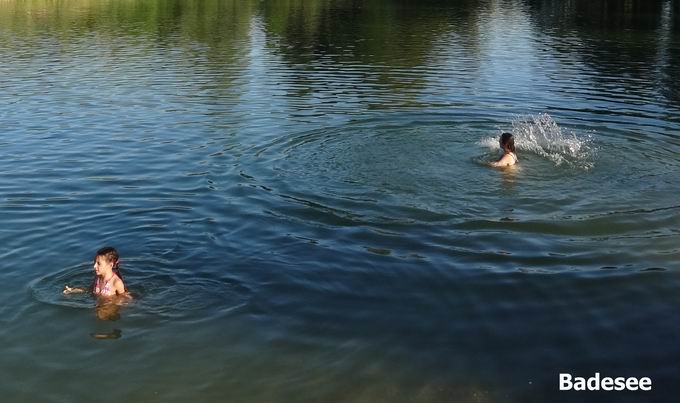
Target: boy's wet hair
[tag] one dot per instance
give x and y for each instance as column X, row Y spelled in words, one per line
column 508, row 141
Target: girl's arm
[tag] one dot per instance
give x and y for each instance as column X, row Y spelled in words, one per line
column 504, row 161
column 73, row 290
column 120, row 289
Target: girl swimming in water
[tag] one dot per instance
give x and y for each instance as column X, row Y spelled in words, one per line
column 108, row 281
column 507, row 142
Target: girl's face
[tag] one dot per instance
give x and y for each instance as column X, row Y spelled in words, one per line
column 102, row 266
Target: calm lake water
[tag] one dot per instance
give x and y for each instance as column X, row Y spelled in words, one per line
column 299, row 194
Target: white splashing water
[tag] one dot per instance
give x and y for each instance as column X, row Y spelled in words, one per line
column 540, row 134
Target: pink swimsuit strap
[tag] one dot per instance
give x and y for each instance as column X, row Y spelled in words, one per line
column 99, row 290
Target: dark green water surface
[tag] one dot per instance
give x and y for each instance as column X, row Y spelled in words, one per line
column 299, row 194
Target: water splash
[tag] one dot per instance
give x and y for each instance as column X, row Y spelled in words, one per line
column 541, row 135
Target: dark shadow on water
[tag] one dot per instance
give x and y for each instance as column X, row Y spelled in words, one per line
column 620, row 40
column 108, row 310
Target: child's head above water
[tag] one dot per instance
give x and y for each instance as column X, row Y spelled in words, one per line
column 507, row 142
column 106, row 267
column 106, row 259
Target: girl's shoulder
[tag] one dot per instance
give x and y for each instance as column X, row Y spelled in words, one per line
column 118, row 284
column 506, row 160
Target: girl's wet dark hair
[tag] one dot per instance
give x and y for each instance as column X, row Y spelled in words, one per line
column 111, row 255
column 508, row 142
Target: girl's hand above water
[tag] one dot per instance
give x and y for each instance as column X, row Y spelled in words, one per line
column 72, row 290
